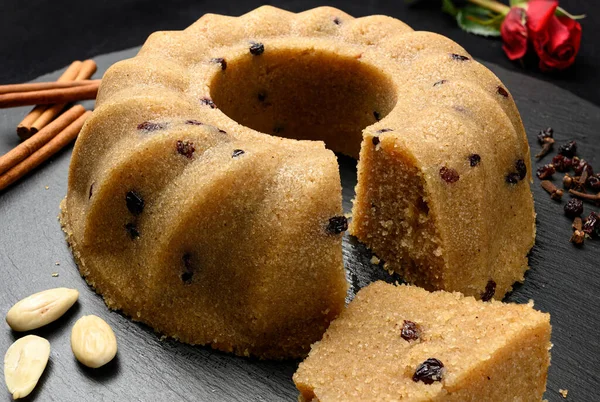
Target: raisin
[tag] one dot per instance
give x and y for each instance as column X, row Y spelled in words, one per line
column 591, row 226
column 193, row 122
column 521, row 168
column 257, row 48
column 546, row 171
column 208, row 102
column 337, row 225
column 187, row 261
column 188, row 273
column 132, row 230
column 562, row 163
column 574, row 207
column 594, row 182
column 410, row 331
column 384, row 130
column 186, row 148
column 261, row 97
column 135, row 202
column 337, row 21
column 186, row 277
column 581, row 165
column 458, row 57
column 440, row 82
column 512, row 178
column 429, row 371
column 569, row 149
column 375, row 141
column 474, row 160
column 150, row 126
column 377, row 115
column 503, row 92
column 490, row 291
column 237, row 152
column 544, row 134
column 449, row 175
column 221, row 61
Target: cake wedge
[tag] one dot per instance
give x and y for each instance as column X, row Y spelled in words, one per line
column 404, row 343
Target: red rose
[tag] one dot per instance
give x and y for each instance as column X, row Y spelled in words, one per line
column 514, row 34
column 555, row 39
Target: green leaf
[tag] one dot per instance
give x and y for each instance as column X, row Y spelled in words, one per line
column 479, row 21
column 449, row 8
column 561, row 12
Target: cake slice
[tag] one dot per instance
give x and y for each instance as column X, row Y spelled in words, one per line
column 404, row 343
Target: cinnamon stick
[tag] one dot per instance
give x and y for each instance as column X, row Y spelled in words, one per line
column 40, row 86
column 24, row 128
column 49, row 96
column 88, row 68
column 45, row 152
column 29, row 146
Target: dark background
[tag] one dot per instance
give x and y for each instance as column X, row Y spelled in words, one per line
column 37, row 36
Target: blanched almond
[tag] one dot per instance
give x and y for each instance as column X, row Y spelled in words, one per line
column 24, row 363
column 41, row 308
column 93, row 341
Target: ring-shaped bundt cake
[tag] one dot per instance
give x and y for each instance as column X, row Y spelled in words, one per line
column 183, row 212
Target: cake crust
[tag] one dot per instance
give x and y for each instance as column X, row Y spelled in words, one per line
column 203, row 202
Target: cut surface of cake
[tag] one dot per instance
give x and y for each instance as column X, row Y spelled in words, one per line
column 203, row 202
column 404, row 343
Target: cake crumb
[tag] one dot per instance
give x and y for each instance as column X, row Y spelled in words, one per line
column 47, row 187
column 55, row 274
column 348, row 215
column 162, row 338
column 57, row 263
column 563, row 392
column 375, row 260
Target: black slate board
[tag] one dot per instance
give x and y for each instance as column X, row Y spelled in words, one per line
column 563, row 281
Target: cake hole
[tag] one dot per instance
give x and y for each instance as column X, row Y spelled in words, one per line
column 312, row 95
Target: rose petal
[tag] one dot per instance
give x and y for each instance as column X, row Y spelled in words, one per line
column 539, row 13
column 558, row 34
column 559, row 45
column 574, row 28
column 514, row 34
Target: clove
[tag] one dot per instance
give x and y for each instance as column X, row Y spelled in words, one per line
column 577, row 223
column 555, row 193
column 547, row 144
column 582, row 179
column 585, row 196
column 568, row 181
column 578, row 235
